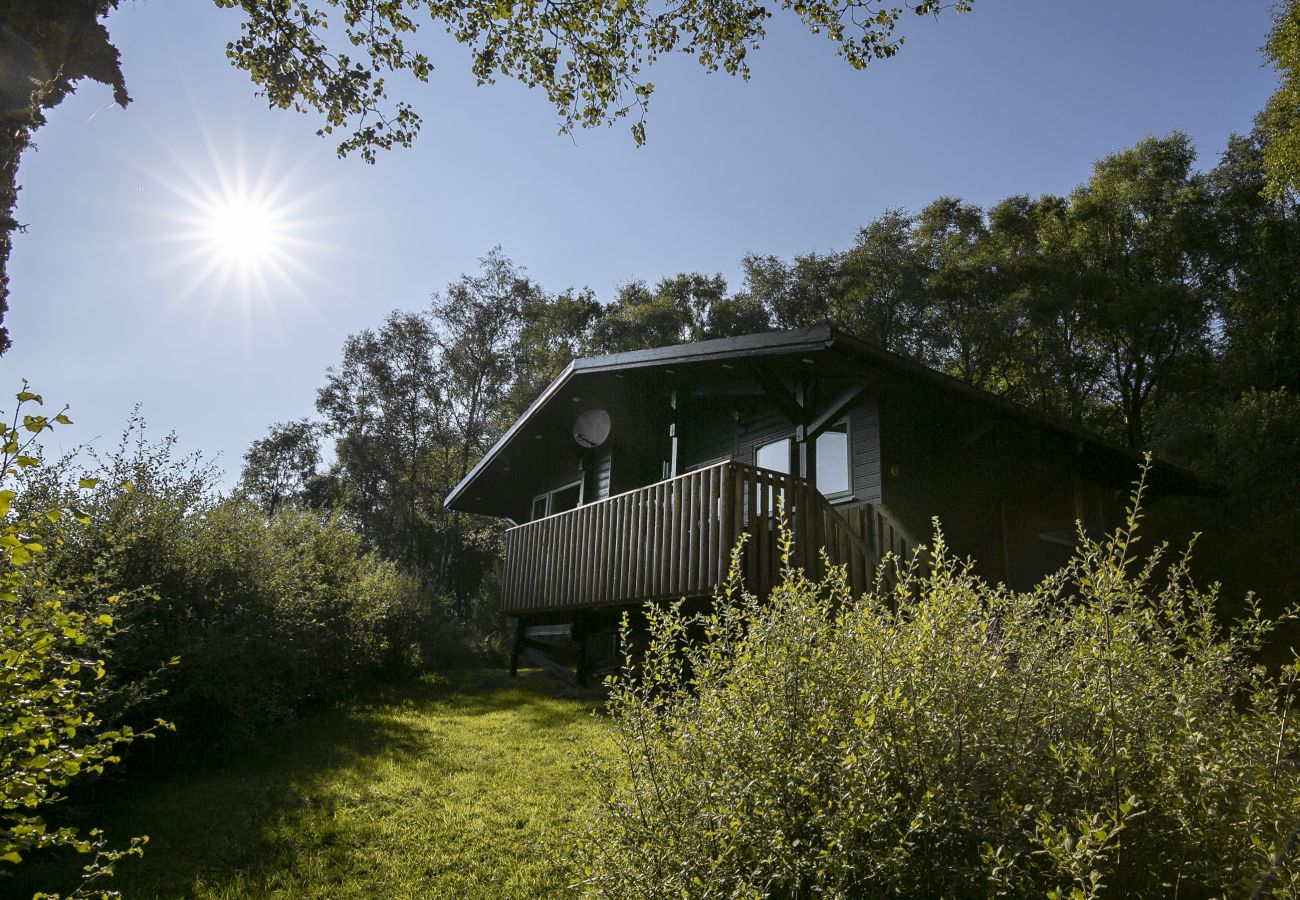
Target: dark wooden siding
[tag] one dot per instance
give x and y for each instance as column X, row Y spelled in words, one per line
column 864, row 450
column 763, row 428
column 719, row 429
column 600, row 462
column 1006, row 493
column 707, row 432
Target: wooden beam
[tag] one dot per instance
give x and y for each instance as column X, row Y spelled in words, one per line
column 584, row 662
column 535, row 631
column 672, row 436
column 542, row 661
column 516, row 646
column 776, row 390
column 838, row 406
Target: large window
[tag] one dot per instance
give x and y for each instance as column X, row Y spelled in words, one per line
column 557, row 501
column 774, row 456
column 833, row 460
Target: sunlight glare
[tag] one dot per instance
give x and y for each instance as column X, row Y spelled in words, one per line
column 244, row 230
column 245, row 234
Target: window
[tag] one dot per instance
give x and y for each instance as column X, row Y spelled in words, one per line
column 774, row 456
column 566, row 498
column 557, row 501
column 833, row 460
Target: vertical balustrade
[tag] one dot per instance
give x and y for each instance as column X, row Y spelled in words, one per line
column 674, row 538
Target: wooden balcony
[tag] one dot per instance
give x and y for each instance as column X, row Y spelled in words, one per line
column 674, row 539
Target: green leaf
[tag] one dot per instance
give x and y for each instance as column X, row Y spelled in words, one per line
column 87, row 482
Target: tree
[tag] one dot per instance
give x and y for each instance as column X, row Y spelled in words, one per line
column 1280, row 119
column 333, row 58
column 795, row 295
column 1255, row 270
column 478, row 323
column 1053, row 362
column 588, row 57
column 879, row 294
column 639, row 318
column 556, row 330
column 1136, row 233
column 281, row 466
column 385, row 407
column 52, row 683
column 966, row 330
column 47, row 48
column 414, row 404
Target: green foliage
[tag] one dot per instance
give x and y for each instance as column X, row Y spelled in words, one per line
column 1100, row 735
column 1093, row 308
column 282, row 466
column 587, row 57
column 416, row 402
column 263, row 616
column 1280, row 118
column 52, row 671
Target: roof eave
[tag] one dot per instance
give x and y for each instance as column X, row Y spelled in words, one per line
column 552, row 389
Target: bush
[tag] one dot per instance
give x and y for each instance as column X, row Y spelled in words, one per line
column 1101, row 735
column 51, row 676
column 261, row 616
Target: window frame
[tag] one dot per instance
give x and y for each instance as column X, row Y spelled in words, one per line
column 788, row 440
column 549, row 497
column 847, row 493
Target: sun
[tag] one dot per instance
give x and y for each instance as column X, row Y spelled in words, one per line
column 245, row 230
column 245, row 234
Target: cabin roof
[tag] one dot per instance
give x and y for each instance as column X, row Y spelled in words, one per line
column 788, row 350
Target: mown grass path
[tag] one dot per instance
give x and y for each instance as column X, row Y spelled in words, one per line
column 431, row 788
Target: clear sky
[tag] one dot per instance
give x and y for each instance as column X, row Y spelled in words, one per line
column 117, row 299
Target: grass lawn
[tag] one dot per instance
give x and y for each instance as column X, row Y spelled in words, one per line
column 429, row 788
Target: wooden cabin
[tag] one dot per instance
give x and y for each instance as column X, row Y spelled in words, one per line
column 633, row 475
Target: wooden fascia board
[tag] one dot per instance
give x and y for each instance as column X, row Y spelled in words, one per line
column 747, row 346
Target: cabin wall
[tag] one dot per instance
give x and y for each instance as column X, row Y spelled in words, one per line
column 717, row 429
column 562, row 469
column 1006, row 494
column 864, row 451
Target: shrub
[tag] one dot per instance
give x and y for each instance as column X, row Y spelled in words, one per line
column 1100, row 735
column 261, row 615
column 51, row 676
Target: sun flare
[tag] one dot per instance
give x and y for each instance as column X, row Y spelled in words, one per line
column 244, row 234
column 244, row 230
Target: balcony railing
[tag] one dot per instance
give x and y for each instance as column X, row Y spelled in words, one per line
column 674, row 539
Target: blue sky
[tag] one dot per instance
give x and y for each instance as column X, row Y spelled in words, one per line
column 112, row 305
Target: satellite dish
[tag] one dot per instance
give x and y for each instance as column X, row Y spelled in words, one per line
column 592, row 428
